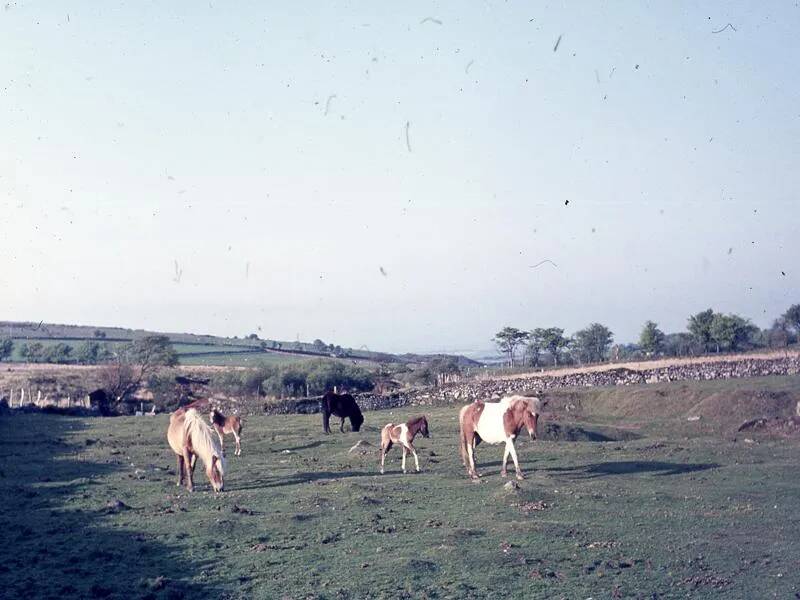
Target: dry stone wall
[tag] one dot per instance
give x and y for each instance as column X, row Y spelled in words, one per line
column 463, row 392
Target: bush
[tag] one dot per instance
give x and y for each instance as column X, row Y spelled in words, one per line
column 314, row 377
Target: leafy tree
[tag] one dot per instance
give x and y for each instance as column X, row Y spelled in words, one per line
column 552, row 339
column 682, row 344
column 508, row 340
column 58, row 353
column 92, row 353
column 731, row 332
column 319, row 346
column 792, row 318
column 651, row 339
column 700, row 327
column 99, row 334
column 324, row 375
column 6, row 348
column 778, row 336
column 533, row 348
column 32, row 352
column 593, row 342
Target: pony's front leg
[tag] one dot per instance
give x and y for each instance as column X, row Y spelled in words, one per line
column 510, row 448
column 341, row 426
column 221, row 439
column 506, row 452
column 414, row 452
column 404, row 459
column 187, row 459
column 180, row 470
column 238, row 444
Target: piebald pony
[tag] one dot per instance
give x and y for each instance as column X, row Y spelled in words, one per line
column 497, row 423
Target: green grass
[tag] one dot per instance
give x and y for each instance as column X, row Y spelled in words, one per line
column 303, row 518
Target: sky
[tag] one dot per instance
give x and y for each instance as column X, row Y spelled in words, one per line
column 392, row 175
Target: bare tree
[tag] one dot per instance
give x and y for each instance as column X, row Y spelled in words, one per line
column 134, row 362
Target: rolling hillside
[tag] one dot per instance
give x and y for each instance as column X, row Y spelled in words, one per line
column 201, row 349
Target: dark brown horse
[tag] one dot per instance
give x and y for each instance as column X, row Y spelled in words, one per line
column 403, row 434
column 343, row 406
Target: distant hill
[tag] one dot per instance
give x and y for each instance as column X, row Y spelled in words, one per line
column 208, row 349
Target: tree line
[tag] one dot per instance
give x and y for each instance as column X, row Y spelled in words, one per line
column 707, row 331
column 86, row 353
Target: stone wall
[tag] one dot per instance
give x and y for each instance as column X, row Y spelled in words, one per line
column 468, row 391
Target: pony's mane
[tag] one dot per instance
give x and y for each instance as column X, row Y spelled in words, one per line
column 416, row 421
column 217, row 417
column 534, row 403
column 204, row 442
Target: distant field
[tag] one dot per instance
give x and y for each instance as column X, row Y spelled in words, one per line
column 654, row 511
column 196, row 354
column 242, row 359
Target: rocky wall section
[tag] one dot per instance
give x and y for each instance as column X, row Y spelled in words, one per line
column 469, row 391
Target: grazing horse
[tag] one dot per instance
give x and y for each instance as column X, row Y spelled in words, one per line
column 231, row 424
column 343, row 406
column 497, row 423
column 190, row 436
column 403, row 434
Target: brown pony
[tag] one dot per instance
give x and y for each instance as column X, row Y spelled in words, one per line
column 497, row 423
column 403, row 434
column 189, row 437
column 223, row 425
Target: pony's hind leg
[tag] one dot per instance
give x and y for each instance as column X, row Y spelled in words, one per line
column 384, row 451
column 472, row 469
column 179, row 469
column 341, row 426
column 404, row 459
column 238, row 444
column 187, row 459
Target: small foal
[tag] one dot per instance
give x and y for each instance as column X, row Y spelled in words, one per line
column 403, row 434
column 231, row 424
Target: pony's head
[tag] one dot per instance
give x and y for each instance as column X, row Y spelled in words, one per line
column 423, row 427
column 526, row 414
column 531, row 416
column 215, row 470
column 356, row 421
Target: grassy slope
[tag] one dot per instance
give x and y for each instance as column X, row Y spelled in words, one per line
column 303, row 518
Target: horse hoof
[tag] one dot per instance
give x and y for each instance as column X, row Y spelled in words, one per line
column 520, row 476
column 503, row 474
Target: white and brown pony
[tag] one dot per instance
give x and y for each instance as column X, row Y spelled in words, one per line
column 404, row 435
column 497, row 423
column 223, row 425
column 190, row 436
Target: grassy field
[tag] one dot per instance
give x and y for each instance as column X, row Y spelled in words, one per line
column 651, row 513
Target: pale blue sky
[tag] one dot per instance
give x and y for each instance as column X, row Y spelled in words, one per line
column 135, row 135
